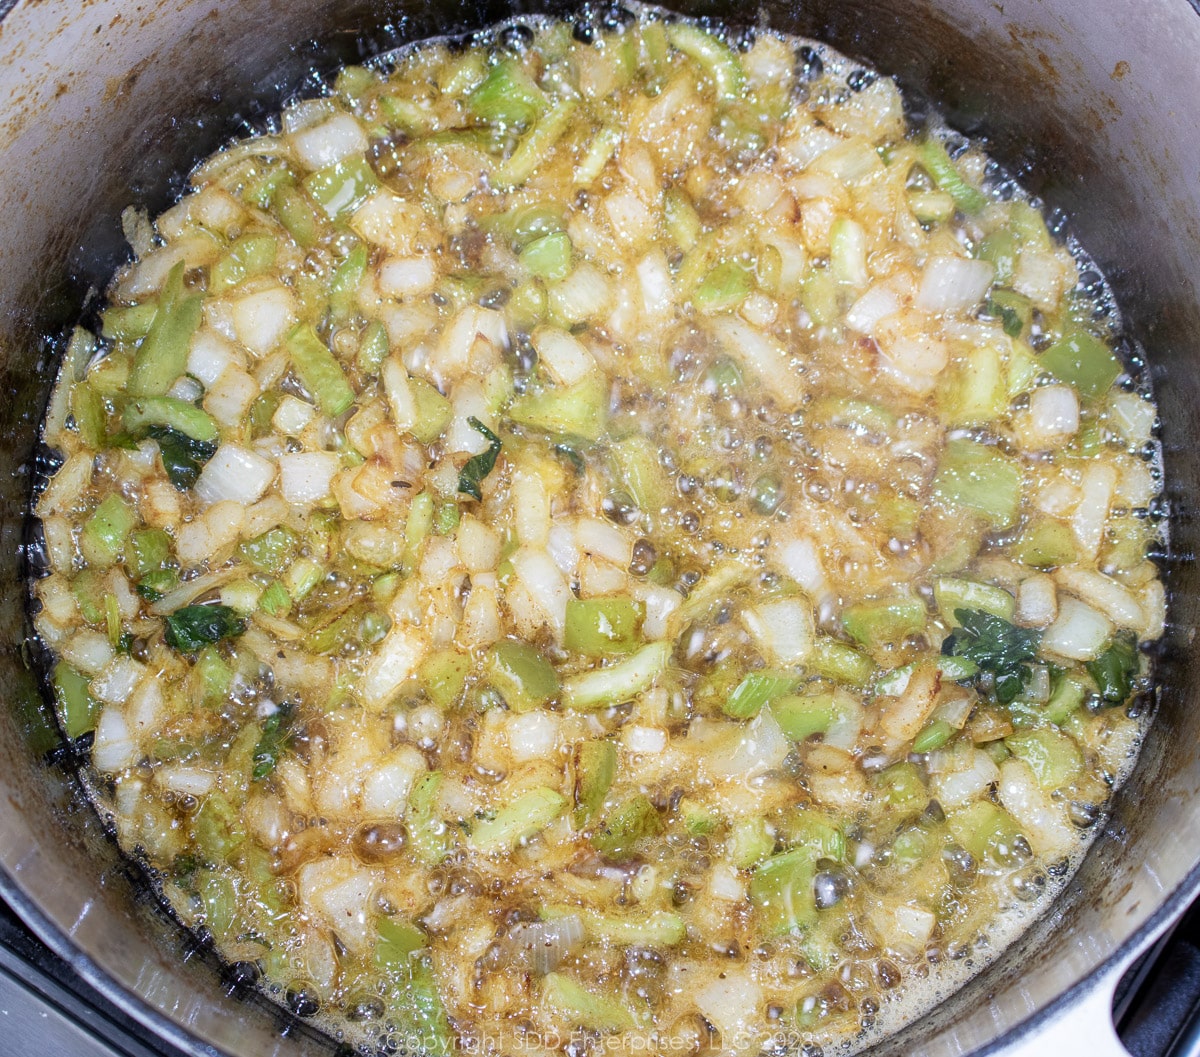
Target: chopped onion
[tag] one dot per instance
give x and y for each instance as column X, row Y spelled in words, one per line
column 1037, row 601
column 340, row 892
column 761, row 746
column 801, row 560
column 114, row 748
column 763, row 355
column 329, row 142
column 1102, row 592
column 385, row 789
column 953, row 284
column 783, row 629
column 89, row 651
column 731, row 1003
column 563, row 355
column 307, row 477
column 879, row 301
column 1042, row 820
column 542, row 945
column 402, row 277
column 956, row 788
column 546, row 585
column 532, row 735
column 262, row 320
column 118, row 680
column 1079, row 633
column 234, row 473
column 209, row 356
column 644, row 739
column 391, row 663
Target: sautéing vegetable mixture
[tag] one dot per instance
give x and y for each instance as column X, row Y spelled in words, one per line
column 602, row 530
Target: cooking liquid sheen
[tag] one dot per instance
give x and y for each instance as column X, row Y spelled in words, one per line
column 602, row 536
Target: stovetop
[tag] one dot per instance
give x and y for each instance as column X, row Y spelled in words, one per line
column 46, row 1008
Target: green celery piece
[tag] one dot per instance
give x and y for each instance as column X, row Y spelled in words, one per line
column 417, row 529
column 603, row 146
column 726, row 286
column 150, row 550
column 433, row 411
column 1014, row 310
column 515, row 823
column 902, row 787
column 595, row 770
column 1053, row 757
column 859, row 415
column 579, row 410
column 220, row 904
column 1084, row 361
column 295, row 212
column 682, row 220
column 217, row 829
column 749, row 843
column 598, row 627
column 820, row 296
column 343, row 287
column 548, row 257
column 275, row 600
column 1046, row 544
column 624, row 826
column 479, row 466
column 756, row 690
column 301, row 577
column 976, row 477
column 715, row 56
column 250, row 255
column 939, row 165
column 446, row 518
column 91, row 416
column 714, row 590
column 1115, row 669
column 973, row 391
column 428, row 835
column 193, row 627
column 77, row 709
column 931, row 207
column 105, row 532
column 415, row 1007
column 653, row 928
column 639, row 468
column 535, row 145
column 984, row 829
column 1067, row 694
column 507, row 96
column 127, row 322
column 1029, row 227
column 781, row 892
column 932, row 736
column 156, row 583
column 848, row 252
column 616, row 683
column 342, row 187
column 162, row 356
column 891, row 620
column 354, row 82
column 801, row 715
column 145, row 412
column 1000, row 248
column 816, row 833
column 212, row 677
column 951, row 594
column 271, row 552
column 396, row 943
column 443, row 676
column 373, row 348
column 524, row 678
column 840, row 662
column 583, row 1006
column 321, row 374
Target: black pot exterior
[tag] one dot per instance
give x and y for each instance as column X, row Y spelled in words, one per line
column 107, row 102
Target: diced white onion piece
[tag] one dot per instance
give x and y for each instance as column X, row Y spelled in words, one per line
column 262, row 320
column 340, row 891
column 187, row 781
column 89, row 651
column 1037, row 601
column 307, row 477
column 660, row 603
column 1136, row 486
column 66, row 486
column 725, row 884
column 1133, row 416
column 292, row 416
column 329, row 142
column 391, row 663
column 532, row 735
column 903, row 929
column 1080, row 633
column 546, row 585
column 114, row 747
column 1113, row 599
column 230, row 396
column 644, row 739
column 654, row 278
column 305, row 113
column 234, row 473
column 562, row 354
column 385, row 789
column 114, row 685
column 953, row 284
column 760, row 746
column 402, row 277
column 478, row 545
column 1041, row 819
column 530, row 503
column 801, row 560
column 468, row 401
column 765, row 357
column 584, row 294
column 961, row 787
column 731, row 1004
column 1154, row 606
column 562, row 547
column 186, row 389
column 880, row 301
column 602, row 539
column 1052, row 418
column 145, row 709
column 783, row 629
column 1091, row 514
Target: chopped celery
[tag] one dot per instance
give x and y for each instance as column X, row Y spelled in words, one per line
column 714, row 56
column 144, row 413
column 112, row 615
column 443, row 676
column 595, row 769
column 932, row 736
column 820, row 297
column 939, row 165
column 1115, row 669
column 802, row 715
column 162, row 356
column 1046, row 544
column 816, row 833
column 749, row 843
column 848, row 253
column 150, row 550
column 508, row 96
column 931, row 207
column 979, row 478
column 698, row 820
column 579, row 410
column 354, row 82
column 653, row 928
column 548, row 257
column 598, row 627
column 1052, row 756
column 433, row 411
column 1067, row 694
column 840, row 662
column 901, row 786
column 415, row 1006
column 712, row 591
column 1029, row 226
column 1023, row 368
column 682, row 220
column 296, row 214
column 343, row 287
column 446, row 518
column 756, row 690
column 302, row 576
column 727, row 285
column 91, row 417
column 217, row 829
column 973, row 391
column 1000, row 248
column 951, row 594
column 616, row 683
column 396, row 943
column 373, row 348
column 515, row 823
column 275, row 601
column 342, row 187
column 781, row 892
column 102, row 540
column 427, row 833
column 1084, row 361
column 127, row 322
column 212, row 677
column 250, row 255
column 89, row 589
column 637, row 464
column 77, row 709
column 581, row 1005
column 271, row 552
column 984, row 829
column 535, row 145
column 891, row 620
column 603, row 146
column 617, row 837
column 321, row 374
column 862, row 416
column 416, row 529
column 156, row 583
column 524, row 678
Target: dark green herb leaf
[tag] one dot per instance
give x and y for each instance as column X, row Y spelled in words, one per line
column 193, row 627
column 1115, row 668
column 572, row 456
column 998, row 647
column 1010, row 321
column 275, row 734
column 182, row 456
column 479, row 466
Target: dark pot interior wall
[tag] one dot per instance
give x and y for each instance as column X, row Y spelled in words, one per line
column 136, row 94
